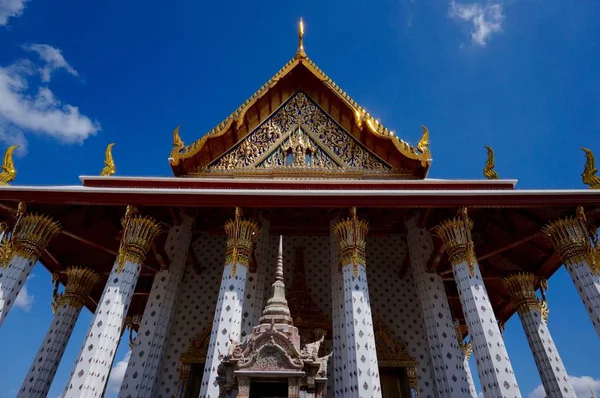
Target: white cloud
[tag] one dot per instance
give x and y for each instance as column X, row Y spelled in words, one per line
column 10, row 8
column 486, row 19
column 583, row 385
column 24, row 109
column 24, row 300
column 53, row 60
column 117, row 373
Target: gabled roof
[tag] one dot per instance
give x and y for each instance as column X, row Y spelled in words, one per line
column 300, row 73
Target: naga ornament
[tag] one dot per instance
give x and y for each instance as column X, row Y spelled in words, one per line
column 109, row 163
column 490, row 164
column 589, row 176
column 8, row 171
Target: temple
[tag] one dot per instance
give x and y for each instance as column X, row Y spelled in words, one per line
column 299, row 250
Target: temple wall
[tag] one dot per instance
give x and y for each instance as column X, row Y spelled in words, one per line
column 393, row 299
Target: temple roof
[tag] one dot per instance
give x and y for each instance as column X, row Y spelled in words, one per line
column 301, row 74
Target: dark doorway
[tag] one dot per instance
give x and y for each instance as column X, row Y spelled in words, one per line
column 394, row 383
column 269, row 389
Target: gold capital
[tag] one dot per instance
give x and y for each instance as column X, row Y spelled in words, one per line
column 80, row 282
column 521, row 289
column 241, row 235
column 138, row 234
column 456, row 235
column 351, row 235
column 572, row 239
column 31, row 235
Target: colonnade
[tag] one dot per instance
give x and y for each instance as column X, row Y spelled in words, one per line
column 355, row 358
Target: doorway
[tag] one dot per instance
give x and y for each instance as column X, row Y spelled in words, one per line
column 269, row 389
column 394, row 382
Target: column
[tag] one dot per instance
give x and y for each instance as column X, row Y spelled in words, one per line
column 467, row 351
column 92, row 367
column 80, row 282
column 19, row 253
column 141, row 375
column 362, row 367
column 550, row 367
column 493, row 365
column 227, row 322
column 337, row 318
column 448, row 360
column 571, row 239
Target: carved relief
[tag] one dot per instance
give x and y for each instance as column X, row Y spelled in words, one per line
column 299, row 135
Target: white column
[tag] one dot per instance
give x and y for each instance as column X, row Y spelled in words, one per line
column 337, row 319
column 448, row 359
column 29, row 238
column 67, row 308
column 227, row 322
column 362, row 366
column 467, row 351
column 141, row 375
column 93, row 364
column 571, row 238
column 493, row 365
column 550, row 367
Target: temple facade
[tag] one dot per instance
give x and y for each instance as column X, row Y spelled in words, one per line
column 299, row 250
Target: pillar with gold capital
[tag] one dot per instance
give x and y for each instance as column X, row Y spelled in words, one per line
column 550, row 367
column 141, row 376
column 467, row 351
column 493, row 365
column 93, row 364
column 30, row 236
column 67, row 305
column 447, row 359
column 362, row 370
column 573, row 241
column 227, row 322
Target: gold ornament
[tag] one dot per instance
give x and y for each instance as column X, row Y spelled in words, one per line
column 241, row 235
column 521, row 289
column 8, row 171
column 138, row 234
column 80, row 282
column 351, row 236
column 589, row 176
column 456, row 235
column 109, row 164
column 423, row 144
column 31, row 235
column 490, row 164
column 300, row 53
column 574, row 240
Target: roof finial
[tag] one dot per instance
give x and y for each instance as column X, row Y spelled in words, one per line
column 279, row 267
column 300, row 53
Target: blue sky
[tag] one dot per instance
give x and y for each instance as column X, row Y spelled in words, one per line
column 520, row 75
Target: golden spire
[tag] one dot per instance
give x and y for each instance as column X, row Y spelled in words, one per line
column 589, row 176
column 7, row 170
column 490, row 164
column 300, row 52
column 423, row 144
column 109, row 164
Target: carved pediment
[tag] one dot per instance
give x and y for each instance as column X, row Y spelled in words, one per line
column 390, row 351
column 299, row 138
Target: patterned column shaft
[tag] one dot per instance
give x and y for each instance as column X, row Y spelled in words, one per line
column 19, row 253
column 141, row 375
column 362, row 367
column 227, row 323
column 337, row 319
column 467, row 351
column 448, row 359
column 67, row 308
column 493, row 365
column 93, row 364
column 571, row 240
column 550, row 367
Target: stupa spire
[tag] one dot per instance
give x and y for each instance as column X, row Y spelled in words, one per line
column 277, row 310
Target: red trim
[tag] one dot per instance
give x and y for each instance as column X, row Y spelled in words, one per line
column 183, row 183
column 438, row 200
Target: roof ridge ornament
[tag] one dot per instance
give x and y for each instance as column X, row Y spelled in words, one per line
column 109, row 163
column 300, row 53
column 7, row 170
column 423, row 144
column 589, row 176
column 490, row 164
